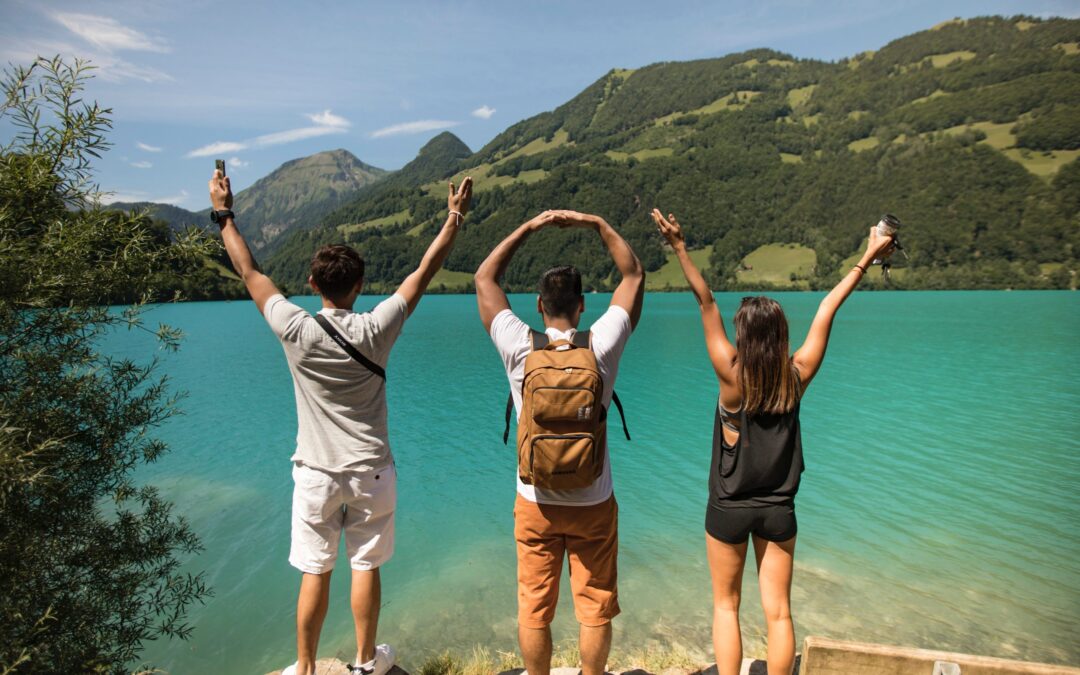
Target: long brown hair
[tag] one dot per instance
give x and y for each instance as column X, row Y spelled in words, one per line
column 770, row 384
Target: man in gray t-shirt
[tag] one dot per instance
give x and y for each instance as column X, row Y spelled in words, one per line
column 343, row 468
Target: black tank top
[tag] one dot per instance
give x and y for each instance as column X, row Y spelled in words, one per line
column 765, row 464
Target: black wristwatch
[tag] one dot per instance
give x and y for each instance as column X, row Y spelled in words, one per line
column 218, row 217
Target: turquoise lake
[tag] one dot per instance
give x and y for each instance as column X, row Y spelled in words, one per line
column 938, row 509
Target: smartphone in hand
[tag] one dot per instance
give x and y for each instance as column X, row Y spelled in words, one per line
column 219, row 164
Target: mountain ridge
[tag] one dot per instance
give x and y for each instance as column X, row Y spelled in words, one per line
column 962, row 129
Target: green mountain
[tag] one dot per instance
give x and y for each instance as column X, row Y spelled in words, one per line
column 378, row 210
column 299, row 194
column 777, row 166
column 177, row 218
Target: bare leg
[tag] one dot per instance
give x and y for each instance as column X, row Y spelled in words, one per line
column 774, row 562
column 310, row 612
column 536, row 649
column 726, row 567
column 366, row 599
column 594, row 642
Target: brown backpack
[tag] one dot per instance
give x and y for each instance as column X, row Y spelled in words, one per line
column 563, row 424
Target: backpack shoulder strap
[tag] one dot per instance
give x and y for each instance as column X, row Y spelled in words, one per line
column 538, row 340
column 583, row 339
column 349, row 349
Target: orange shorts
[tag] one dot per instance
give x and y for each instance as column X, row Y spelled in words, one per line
column 590, row 535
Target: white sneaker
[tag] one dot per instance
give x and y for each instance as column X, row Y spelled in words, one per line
column 380, row 665
column 291, row 670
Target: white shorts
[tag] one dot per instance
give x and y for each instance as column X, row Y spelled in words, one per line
column 324, row 504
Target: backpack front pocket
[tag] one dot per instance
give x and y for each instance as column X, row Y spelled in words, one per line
column 563, row 461
column 563, row 404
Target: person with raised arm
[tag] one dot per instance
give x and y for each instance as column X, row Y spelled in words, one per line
column 343, row 469
column 565, row 380
column 757, row 456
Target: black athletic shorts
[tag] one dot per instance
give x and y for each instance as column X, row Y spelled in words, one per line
column 733, row 524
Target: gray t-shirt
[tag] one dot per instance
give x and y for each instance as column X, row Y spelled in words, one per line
column 340, row 404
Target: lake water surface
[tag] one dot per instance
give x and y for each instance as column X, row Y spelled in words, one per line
column 938, row 509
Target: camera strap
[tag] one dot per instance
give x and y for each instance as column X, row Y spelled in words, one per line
column 349, row 349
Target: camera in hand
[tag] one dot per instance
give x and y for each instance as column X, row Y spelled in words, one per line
column 888, row 227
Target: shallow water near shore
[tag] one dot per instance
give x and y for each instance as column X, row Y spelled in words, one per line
column 938, row 508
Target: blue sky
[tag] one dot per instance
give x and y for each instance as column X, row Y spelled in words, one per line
column 260, row 83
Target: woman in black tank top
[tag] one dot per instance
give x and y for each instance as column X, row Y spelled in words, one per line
column 757, row 455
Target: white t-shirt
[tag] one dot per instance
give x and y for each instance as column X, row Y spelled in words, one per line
column 512, row 338
column 340, row 404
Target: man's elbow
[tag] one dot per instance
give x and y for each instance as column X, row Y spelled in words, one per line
column 251, row 275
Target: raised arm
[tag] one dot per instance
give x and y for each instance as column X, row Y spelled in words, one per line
column 630, row 292
column 457, row 203
column 259, row 286
column 809, row 357
column 721, row 351
column 490, row 297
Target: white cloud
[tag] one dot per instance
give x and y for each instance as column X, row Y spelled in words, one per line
column 218, row 148
column 237, row 163
column 107, row 33
column 328, row 119
column 109, row 68
column 143, row 164
column 326, row 122
column 138, row 196
column 148, row 148
column 175, row 200
column 483, row 112
column 279, row 137
column 413, row 128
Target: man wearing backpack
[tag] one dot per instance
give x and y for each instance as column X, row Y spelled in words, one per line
column 343, row 469
column 564, row 381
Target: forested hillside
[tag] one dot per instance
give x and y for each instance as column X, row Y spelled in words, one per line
column 777, row 166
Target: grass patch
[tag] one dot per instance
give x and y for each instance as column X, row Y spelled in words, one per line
column 221, row 269
column 864, row 144
column 874, row 275
column 415, row 230
column 955, row 22
column 1042, row 164
column 998, row 136
column 811, row 120
column 392, row 219
column 670, row 274
column 1024, row 25
column 734, row 101
column 777, row 263
column 753, row 63
column 797, row 97
column 788, row 158
column 538, row 145
column 942, row 60
column 451, row 280
column 938, row 93
column 623, row 73
column 1069, row 48
column 483, row 180
column 640, row 155
column 857, row 114
column 857, row 60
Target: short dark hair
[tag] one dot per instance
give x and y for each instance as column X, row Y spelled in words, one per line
column 560, row 291
column 336, row 269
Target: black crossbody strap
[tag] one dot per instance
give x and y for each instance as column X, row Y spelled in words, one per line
column 349, row 349
column 618, row 404
column 509, row 411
